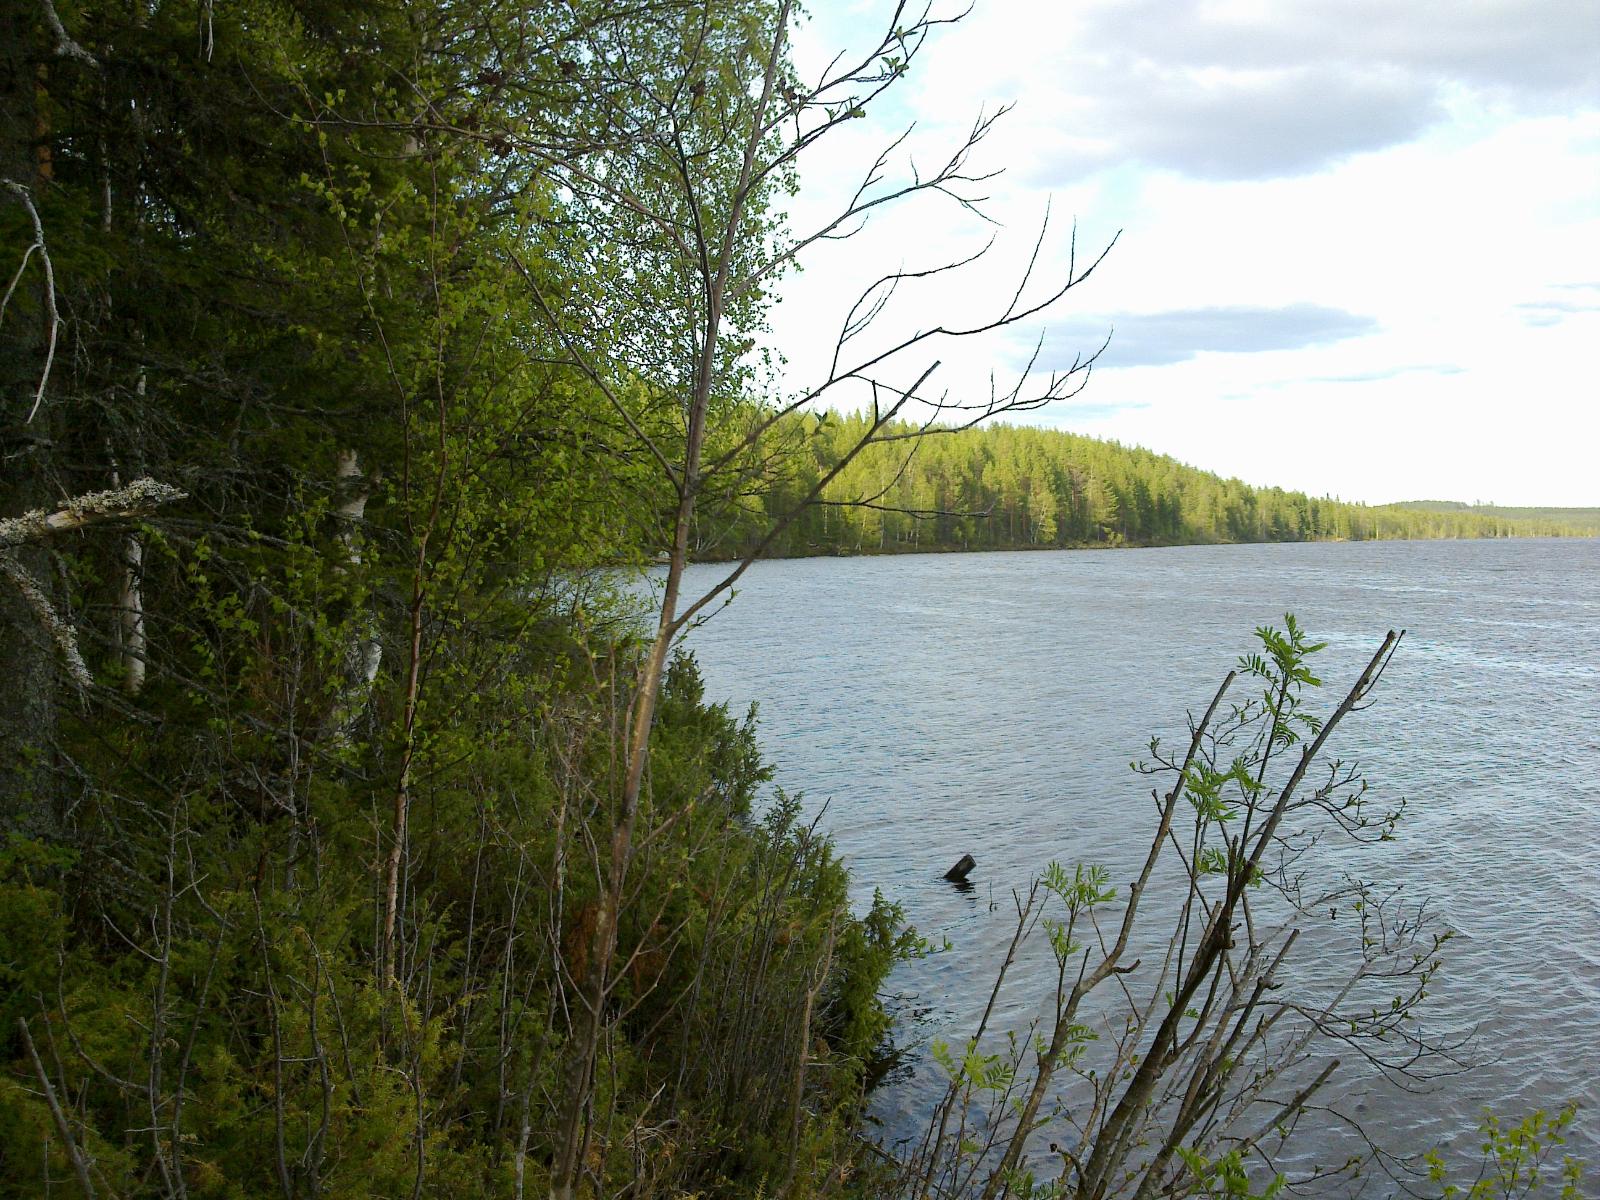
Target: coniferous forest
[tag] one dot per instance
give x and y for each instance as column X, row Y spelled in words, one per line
column 1006, row 487
column 361, row 835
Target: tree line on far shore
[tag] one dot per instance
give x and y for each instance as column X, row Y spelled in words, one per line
column 1007, row 487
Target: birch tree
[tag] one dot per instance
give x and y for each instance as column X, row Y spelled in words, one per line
column 694, row 126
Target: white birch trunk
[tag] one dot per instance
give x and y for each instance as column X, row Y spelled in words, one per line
column 363, row 653
column 130, row 596
column 130, row 615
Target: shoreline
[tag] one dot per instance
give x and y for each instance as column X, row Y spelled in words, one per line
column 908, row 551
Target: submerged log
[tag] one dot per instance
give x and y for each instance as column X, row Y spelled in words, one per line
column 962, row 869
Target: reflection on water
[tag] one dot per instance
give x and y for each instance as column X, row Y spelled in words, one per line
column 990, row 704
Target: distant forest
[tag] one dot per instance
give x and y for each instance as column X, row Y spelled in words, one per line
column 1007, row 487
column 1585, row 520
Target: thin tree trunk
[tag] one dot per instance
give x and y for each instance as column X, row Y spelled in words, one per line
column 132, row 644
column 797, row 1097
column 402, row 791
column 130, row 615
column 363, row 653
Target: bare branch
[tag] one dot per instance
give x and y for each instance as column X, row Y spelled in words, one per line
column 80, row 1161
column 59, row 628
column 137, row 499
column 65, row 46
column 54, row 322
column 787, row 519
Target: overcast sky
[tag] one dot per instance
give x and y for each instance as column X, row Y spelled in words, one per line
column 1359, row 243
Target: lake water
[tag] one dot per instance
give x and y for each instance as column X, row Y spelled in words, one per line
column 990, row 704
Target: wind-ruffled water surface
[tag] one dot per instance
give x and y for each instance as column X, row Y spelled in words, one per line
column 991, row 704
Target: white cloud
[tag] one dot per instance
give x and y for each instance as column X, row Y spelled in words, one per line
column 1434, row 175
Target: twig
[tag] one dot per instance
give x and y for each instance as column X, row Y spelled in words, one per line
column 80, row 1162
column 25, row 199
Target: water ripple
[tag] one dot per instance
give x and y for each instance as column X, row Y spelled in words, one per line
column 990, row 704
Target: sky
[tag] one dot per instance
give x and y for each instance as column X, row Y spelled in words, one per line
column 1357, row 242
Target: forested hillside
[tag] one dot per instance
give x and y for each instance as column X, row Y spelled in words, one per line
column 1002, row 487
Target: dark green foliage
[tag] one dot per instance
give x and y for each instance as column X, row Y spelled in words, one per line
column 211, row 969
